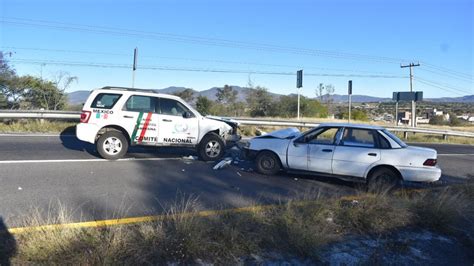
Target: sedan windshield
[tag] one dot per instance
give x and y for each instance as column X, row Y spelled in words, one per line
column 395, row 138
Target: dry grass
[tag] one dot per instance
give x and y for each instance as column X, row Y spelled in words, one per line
column 294, row 229
column 35, row 126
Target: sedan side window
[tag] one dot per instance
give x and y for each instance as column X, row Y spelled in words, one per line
column 358, row 138
column 326, row 136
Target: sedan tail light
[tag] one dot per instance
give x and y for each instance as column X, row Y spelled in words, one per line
column 430, row 162
column 85, row 115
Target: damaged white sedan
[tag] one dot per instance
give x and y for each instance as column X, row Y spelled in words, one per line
column 347, row 151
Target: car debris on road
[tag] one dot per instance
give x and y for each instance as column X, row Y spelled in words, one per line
column 224, row 163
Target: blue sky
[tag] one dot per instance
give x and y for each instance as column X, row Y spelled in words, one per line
column 438, row 33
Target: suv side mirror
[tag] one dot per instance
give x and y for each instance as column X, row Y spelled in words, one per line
column 187, row 114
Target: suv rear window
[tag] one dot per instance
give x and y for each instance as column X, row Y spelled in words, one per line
column 105, row 100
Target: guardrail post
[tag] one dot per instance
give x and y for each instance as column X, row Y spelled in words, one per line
column 405, row 134
column 42, row 114
column 445, row 137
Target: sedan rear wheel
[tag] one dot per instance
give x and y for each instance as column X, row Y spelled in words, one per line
column 383, row 180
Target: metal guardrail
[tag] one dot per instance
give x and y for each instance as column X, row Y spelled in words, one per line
column 73, row 115
column 40, row 114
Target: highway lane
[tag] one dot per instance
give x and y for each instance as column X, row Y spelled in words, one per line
column 91, row 188
column 151, row 179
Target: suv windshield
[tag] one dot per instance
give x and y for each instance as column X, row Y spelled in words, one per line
column 395, row 138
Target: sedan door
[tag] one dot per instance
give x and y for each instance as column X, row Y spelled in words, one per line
column 321, row 150
column 356, row 151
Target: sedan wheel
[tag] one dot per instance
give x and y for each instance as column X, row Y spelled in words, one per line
column 268, row 163
column 383, row 180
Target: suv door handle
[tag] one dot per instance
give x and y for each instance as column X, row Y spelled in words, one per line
column 127, row 116
column 167, row 120
column 326, row 150
column 372, row 154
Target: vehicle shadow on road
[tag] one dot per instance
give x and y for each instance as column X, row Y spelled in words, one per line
column 7, row 244
column 70, row 141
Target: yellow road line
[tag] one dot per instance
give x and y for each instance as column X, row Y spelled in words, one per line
column 134, row 220
column 144, row 219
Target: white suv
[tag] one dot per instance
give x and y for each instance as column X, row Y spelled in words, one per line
column 115, row 117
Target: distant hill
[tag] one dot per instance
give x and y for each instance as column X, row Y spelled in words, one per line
column 356, row 98
column 463, row 99
column 79, row 97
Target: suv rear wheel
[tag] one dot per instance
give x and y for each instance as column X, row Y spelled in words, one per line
column 112, row 145
column 211, row 148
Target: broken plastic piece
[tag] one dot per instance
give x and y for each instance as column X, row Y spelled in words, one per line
column 223, row 163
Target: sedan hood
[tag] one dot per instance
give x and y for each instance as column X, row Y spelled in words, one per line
column 287, row 133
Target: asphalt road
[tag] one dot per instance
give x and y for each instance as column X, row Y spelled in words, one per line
column 49, row 173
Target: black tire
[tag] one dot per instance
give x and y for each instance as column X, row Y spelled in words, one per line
column 112, row 145
column 268, row 163
column 211, row 147
column 383, row 180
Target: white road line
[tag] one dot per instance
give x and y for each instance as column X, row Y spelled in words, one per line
column 34, row 135
column 454, row 154
column 86, row 160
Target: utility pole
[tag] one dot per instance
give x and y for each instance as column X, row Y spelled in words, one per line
column 135, row 54
column 349, row 94
column 299, row 85
column 413, row 109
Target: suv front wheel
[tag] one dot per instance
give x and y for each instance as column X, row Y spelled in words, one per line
column 112, row 145
column 211, row 148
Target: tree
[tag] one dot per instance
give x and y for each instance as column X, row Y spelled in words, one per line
column 259, row 101
column 203, row 105
column 43, row 94
column 14, row 90
column 356, row 114
column 186, row 94
column 62, row 81
column 226, row 95
column 437, row 120
column 8, row 84
column 3, row 102
column 325, row 95
column 287, row 107
column 454, row 121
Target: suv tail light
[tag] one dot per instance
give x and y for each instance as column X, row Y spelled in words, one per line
column 430, row 162
column 85, row 115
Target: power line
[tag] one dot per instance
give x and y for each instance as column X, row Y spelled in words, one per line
column 445, row 85
column 196, row 40
column 448, row 75
column 444, row 69
column 439, row 87
column 191, row 69
column 193, row 59
column 214, row 41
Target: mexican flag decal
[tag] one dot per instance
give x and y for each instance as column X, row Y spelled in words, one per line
column 141, row 125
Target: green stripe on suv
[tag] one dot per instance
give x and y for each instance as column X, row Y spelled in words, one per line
column 139, row 119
